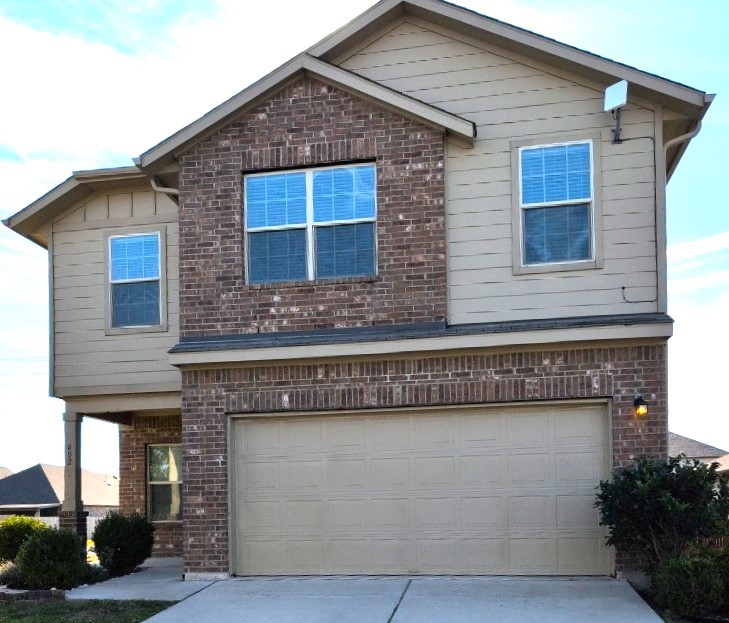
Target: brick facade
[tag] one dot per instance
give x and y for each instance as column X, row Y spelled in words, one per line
column 615, row 372
column 133, row 442
column 310, row 123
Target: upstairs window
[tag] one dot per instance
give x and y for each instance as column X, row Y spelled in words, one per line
column 134, row 278
column 311, row 224
column 556, row 203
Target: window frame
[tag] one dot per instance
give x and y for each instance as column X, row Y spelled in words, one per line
column 310, row 226
column 594, row 203
column 109, row 235
column 150, row 483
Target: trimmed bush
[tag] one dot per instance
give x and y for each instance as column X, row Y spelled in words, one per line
column 657, row 510
column 123, row 543
column 14, row 531
column 10, row 576
column 52, row 559
column 690, row 585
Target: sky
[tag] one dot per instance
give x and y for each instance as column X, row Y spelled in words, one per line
column 86, row 84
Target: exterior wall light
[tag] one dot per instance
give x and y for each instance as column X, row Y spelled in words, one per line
column 640, row 406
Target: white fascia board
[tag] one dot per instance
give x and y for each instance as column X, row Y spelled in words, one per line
column 423, row 345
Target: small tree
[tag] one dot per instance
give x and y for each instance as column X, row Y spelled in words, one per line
column 658, row 509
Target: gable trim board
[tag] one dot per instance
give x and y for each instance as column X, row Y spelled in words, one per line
column 155, row 159
column 510, row 37
column 80, row 185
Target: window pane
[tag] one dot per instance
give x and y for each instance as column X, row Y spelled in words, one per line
column 276, row 200
column 557, row 234
column 345, row 250
column 277, row 256
column 135, row 304
column 557, row 173
column 344, row 193
column 165, row 463
column 135, row 257
column 165, row 502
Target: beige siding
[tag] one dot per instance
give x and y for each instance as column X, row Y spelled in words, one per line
column 512, row 99
column 87, row 359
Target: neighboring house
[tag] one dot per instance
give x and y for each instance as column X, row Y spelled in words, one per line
column 4, row 471
column 692, row 449
column 387, row 310
column 38, row 491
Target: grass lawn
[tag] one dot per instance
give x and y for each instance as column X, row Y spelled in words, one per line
column 82, row 611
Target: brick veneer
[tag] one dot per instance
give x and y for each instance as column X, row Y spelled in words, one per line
column 310, row 123
column 616, row 372
column 133, row 441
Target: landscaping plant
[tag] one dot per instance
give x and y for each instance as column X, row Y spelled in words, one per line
column 690, row 585
column 14, row 531
column 52, row 559
column 656, row 510
column 123, row 543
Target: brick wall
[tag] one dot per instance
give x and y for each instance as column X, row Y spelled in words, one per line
column 597, row 371
column 310, row 123
column 133, row 441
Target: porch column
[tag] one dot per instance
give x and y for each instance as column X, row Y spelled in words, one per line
column 72, row 514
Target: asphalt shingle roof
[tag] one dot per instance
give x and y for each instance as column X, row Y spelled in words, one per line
column 678, row 444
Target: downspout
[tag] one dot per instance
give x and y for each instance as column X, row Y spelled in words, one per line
column 683, row 138
column 170, row 192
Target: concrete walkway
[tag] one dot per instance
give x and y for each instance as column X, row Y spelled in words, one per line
column 160, row 578
column 376, row 599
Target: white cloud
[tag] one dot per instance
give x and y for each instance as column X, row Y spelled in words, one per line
column 692, row 249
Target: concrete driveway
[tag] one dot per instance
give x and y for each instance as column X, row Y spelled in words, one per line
column 412, row 600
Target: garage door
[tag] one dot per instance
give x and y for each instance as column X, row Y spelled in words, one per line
column 474, row 491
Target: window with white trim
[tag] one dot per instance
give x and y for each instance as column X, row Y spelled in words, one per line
column 134, row 279
column 556, row 203
column 311, row 224
column 164, row 482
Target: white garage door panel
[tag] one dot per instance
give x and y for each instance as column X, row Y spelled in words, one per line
column 477, row 491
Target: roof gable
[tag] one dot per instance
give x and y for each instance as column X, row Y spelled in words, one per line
column 163, row 154
column 681, row 98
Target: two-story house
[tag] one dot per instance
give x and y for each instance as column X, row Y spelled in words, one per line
column 386, row 310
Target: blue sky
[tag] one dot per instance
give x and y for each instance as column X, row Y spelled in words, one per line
column 88, row 84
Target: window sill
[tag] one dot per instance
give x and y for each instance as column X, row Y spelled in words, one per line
column 316, row 282
column 160, row 328
column 166, row 521
column 556, row 267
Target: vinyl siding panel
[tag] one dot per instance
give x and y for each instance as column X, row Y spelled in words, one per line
column 512, row 99
column 87, row 359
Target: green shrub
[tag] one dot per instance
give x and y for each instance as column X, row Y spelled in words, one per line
column 52, row 559
column 690, row 585
column 14, row 531
column 659, row 509
column 123, row 543
column 10, row 576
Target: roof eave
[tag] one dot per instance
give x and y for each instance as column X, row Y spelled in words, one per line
column 81, row 184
